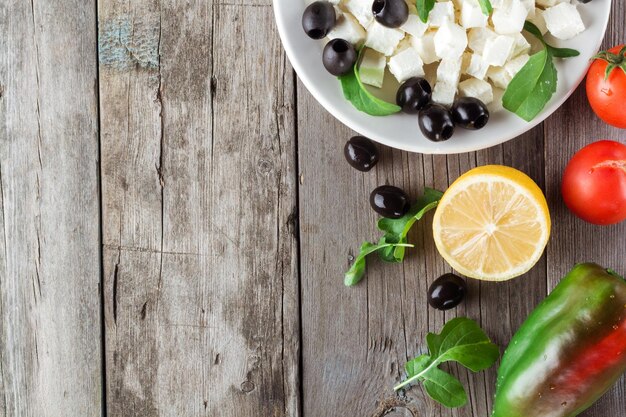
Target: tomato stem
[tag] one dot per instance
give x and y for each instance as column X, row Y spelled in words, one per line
column 614, row 60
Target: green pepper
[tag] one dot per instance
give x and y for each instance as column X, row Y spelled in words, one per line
column 570, row 350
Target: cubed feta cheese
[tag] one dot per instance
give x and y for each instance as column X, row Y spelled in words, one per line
column 406, row 64
column 440, row 13
column 431, row 74
column 372, row 68
column 361, row 10
column 521, row 46
column 449, row 71
column 477, row 38
column 478, row 89
column 426, row 47
column 383, row 39
column 414, row 26
column 349, row 29
column 496, row 104
column 539, row 21
column 564, row 21
column 450, row 40
column 515, row 65
column 510, row 18
column 498, row 50
column 530, row 6
column 335, row 2
column 477, row 67
column 444, row 93
column 499, row 77
column 550, row 3
column 472, row 15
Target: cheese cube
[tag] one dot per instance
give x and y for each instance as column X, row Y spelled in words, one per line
column 372, row 68
column 564, row 21
column 414, row 26
column 515, row 65
column 361, row 10
column 497, row 4
column 348, row 28
column 478, row 89
column 449, row 71
column 406, row 64
column 450, row 41
column 443, row 11
column 382, row 38
column 499, row 77
column 335, row 2
column 521, row 46
column 530, row 6
column 477, row 67
column 466, row 59
column 510, row 18
column 426, row 47
column 472, row 15
column 431, row 74
column 539, row 21
column 496, row 104
column 498, row 50
column 477, row 38
column 444, row 93
column 550, row 3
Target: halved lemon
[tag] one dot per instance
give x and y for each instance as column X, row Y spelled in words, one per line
column 492, row 224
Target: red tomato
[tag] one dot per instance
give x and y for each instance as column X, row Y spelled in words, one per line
column 607, row 94
column 594, row 183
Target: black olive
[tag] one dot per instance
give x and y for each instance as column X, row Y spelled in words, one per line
column 339, row 57
column 436, row 123
column 390, row 202
column 413, row 95
column 447, row 292
column 390, row 13
column 470, row 113
column 361, row 153
column 584, row 1
column 318, row 19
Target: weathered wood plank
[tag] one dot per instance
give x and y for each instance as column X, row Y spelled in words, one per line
column 199, row 193
column 50, row 351
column 573, row 241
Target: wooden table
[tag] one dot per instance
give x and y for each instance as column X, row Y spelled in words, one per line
column 177, row 217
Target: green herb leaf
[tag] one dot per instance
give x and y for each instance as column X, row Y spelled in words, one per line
column 486, row 6
column 444, row 388
column 355, row 92
column 423, row 8
column 461, row 340
column 357, row 270
column 397, row 230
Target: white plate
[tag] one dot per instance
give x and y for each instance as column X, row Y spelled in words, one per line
column 400, row 130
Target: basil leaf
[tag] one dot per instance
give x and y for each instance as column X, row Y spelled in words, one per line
column 357, row 270
column 461, row 340
column 556, row 52
column 444, row 388
column 423, row 8
column 397, row 230
column 541, row 95
column 355, row 92
column 523, row 84
column 486, row 6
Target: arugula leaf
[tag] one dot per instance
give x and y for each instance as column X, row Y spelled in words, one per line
column 461, row 340
column 424, row 7
column 396, row 230
column 357, row 270
column 486, row 6
column 355, row 92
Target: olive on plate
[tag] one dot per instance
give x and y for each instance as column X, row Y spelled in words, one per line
column 436, row 123
column 361, row 153
column 470, row 113
column 318, row 19
column 413, row 95
column 390, row 13
column 339, row 57
column 447, row 292
column 389, row 201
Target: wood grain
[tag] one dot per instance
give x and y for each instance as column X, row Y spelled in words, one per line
column 199, row 195
column 50, row 351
